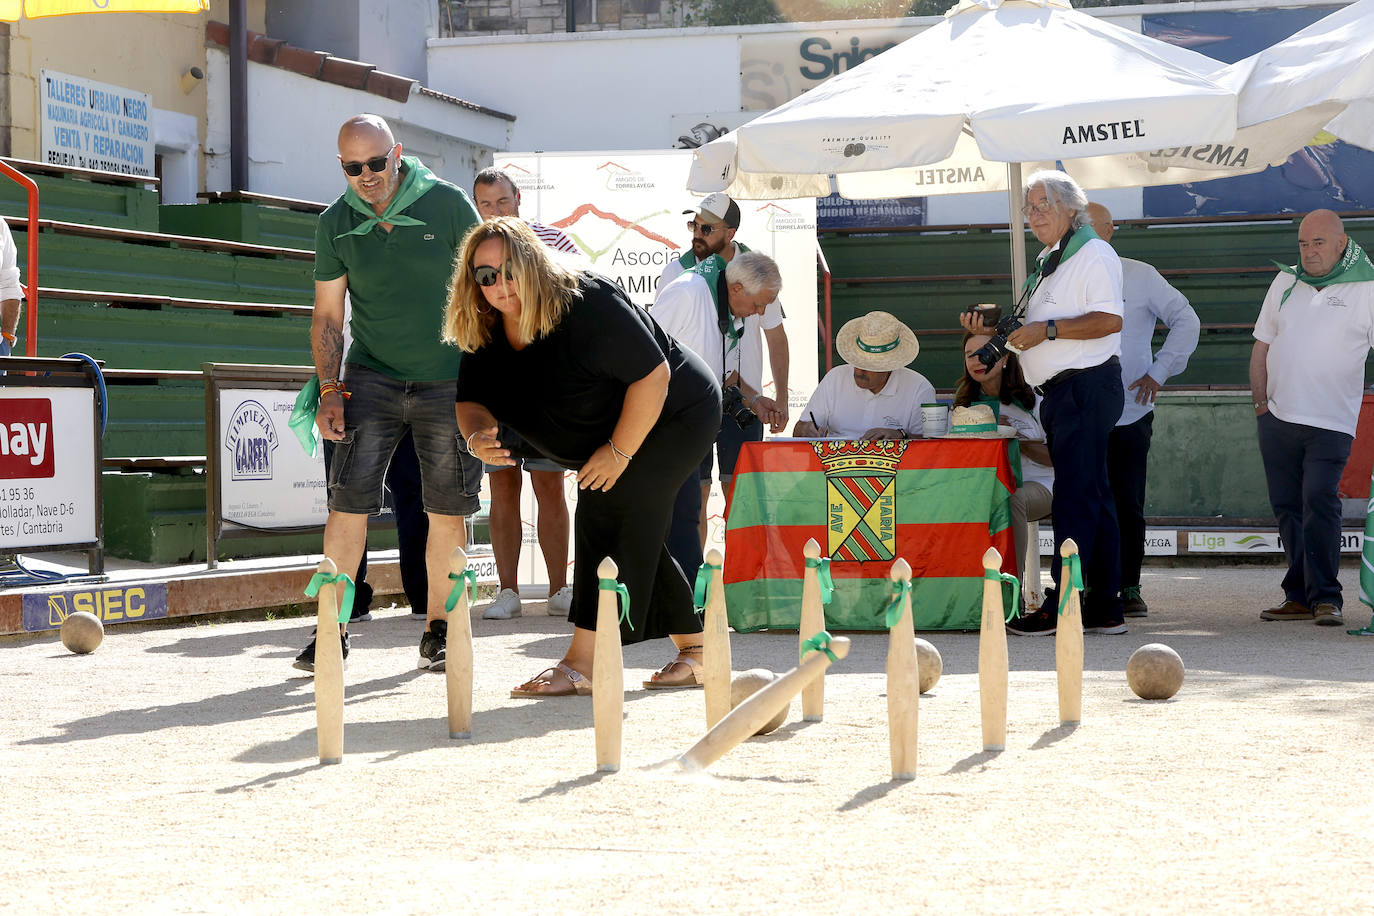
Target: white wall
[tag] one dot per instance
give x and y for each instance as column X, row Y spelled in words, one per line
column 294, row 121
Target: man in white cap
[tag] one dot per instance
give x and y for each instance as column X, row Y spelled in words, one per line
column 875, row 395
column 713, row 226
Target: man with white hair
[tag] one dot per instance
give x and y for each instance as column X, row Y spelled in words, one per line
column 1070, row 346
column 874, row 395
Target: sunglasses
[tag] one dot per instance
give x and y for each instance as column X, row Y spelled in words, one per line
column 704, row 228
column 376, row 164
column 486, row 275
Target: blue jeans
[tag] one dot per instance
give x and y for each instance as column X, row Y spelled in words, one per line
column 1303, row 467
column 1079, row 415
column 376, row 417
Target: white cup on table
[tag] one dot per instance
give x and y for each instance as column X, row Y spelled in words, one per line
column 934, row 420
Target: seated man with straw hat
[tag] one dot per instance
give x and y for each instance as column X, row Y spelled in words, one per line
column 875, row 396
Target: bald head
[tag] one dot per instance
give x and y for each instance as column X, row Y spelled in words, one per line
column 1321, row 242
column 365, row 141
column 366, row 127
column 1101, row 219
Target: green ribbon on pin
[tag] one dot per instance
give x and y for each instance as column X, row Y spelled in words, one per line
column 822, row 567
column 1015, row 583
column 611, row 585
column 312, row 589
column 901, row 588
column 463, row 581
column 818, row 643
column 701, row 593
column 1075, row 580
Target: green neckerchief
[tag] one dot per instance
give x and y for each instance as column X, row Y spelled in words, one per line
column 1081, row 236
column 302, row 421
column 712, row 270
column 1353, row 267
column 689, row 259
column 416, row 180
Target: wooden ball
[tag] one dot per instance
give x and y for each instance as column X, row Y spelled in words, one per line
column 931, row 664
column 745, row 684
column 1154, row 671
column 82, row 632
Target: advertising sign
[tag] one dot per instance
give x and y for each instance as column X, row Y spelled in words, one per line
column 93, row 125
column 1159, row 542
column 266, row 479
column 47, row 467
column 111, row 602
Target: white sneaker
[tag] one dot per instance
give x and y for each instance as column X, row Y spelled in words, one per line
column 506, row 606
column 560, row 602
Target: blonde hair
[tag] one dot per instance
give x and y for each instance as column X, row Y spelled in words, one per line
column 546, row 288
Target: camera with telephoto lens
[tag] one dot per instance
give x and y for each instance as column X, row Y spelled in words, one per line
column 996, row 348
column 733, row 406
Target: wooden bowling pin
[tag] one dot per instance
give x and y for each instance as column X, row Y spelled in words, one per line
column 458, row 652
column 1068, row 644
column 992, row 659
column 812, row 622
column 903, row 684
column 608, row 674
column 715, row 641
column 329, row 688
column 748, row 717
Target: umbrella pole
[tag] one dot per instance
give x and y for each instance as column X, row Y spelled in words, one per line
column 1015, row 221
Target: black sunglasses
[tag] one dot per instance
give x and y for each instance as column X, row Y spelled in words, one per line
column 376, row 164
column 704, row 228
column 486, row 275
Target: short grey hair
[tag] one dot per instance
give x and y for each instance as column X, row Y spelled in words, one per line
column 755, row 271
column 1061, row 190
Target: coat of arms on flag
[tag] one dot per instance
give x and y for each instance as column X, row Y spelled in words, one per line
column 860, row 490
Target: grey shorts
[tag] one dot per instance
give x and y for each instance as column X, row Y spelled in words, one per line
column 375, row 418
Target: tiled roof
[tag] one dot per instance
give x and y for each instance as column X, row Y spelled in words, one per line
column 352, row 74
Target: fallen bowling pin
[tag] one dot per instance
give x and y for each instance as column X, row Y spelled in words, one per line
column 812, row 621
column 715, row 639
column 458, row 652
column 751, row 715
column 903, row 677
column 1068, row 639
column 608, row 671
column 329, row 688
column 992, row 657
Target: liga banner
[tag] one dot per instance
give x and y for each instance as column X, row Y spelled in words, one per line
column 938, row 504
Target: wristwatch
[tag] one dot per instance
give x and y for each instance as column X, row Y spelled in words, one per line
column 1051, row 330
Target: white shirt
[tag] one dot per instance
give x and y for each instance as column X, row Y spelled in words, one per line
column 1148, row 297
column 1089, row 281
column 750, row 365
column 9, row 265
column 1318, row 341
column 687, row 313
column 1027, row 426
column 847, row 410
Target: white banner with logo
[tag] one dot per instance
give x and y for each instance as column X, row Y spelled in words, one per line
column 93, row 125
column 266, row 479
column 47, row 467
column 1159, row 542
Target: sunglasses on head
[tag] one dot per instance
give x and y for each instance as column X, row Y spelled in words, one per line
column 376, row 164
column 704, row 228
column 486, row 275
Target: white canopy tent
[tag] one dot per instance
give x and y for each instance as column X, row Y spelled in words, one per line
column 1003, row 85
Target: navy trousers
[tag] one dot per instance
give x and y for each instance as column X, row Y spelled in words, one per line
column 1128, row 449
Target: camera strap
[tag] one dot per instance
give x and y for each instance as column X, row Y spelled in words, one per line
column 1043, row 269
column 725, row 319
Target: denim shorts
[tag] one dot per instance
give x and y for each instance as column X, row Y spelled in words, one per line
column 376, row 416
column 510, row 439
column 727, row 445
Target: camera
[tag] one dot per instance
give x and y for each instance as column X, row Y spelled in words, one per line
column 996, row 348
column 733, row 406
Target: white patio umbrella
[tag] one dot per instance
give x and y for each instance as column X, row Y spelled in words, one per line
column 998, row 83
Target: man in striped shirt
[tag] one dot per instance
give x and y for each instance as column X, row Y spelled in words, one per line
column 495, row 194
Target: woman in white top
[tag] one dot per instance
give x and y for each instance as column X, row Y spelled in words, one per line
column 1004, row 387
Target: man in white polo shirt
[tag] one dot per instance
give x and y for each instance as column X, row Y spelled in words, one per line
column 1070, row 349
column 1306, row 375
column 875, row 395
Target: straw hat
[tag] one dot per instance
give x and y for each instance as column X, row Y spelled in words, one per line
column 876, row 342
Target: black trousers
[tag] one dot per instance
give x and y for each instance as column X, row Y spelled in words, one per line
column 1128, row 448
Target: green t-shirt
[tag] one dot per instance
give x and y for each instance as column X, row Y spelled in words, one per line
column 398, row 282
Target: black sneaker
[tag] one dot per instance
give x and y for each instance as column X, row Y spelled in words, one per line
column 434, row 645
column 1132, row 605
column 306, row 660
column 1037, row 623
column 1105, row 626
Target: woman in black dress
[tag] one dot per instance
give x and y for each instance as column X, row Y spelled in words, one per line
column 564, row 359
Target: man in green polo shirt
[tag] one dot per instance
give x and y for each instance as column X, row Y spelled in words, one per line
column 388, row 243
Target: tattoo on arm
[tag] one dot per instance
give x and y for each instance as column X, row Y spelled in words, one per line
column 329, row 350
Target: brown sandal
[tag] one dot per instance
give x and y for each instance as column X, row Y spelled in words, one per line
column 693, row 677
column 541, row 685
